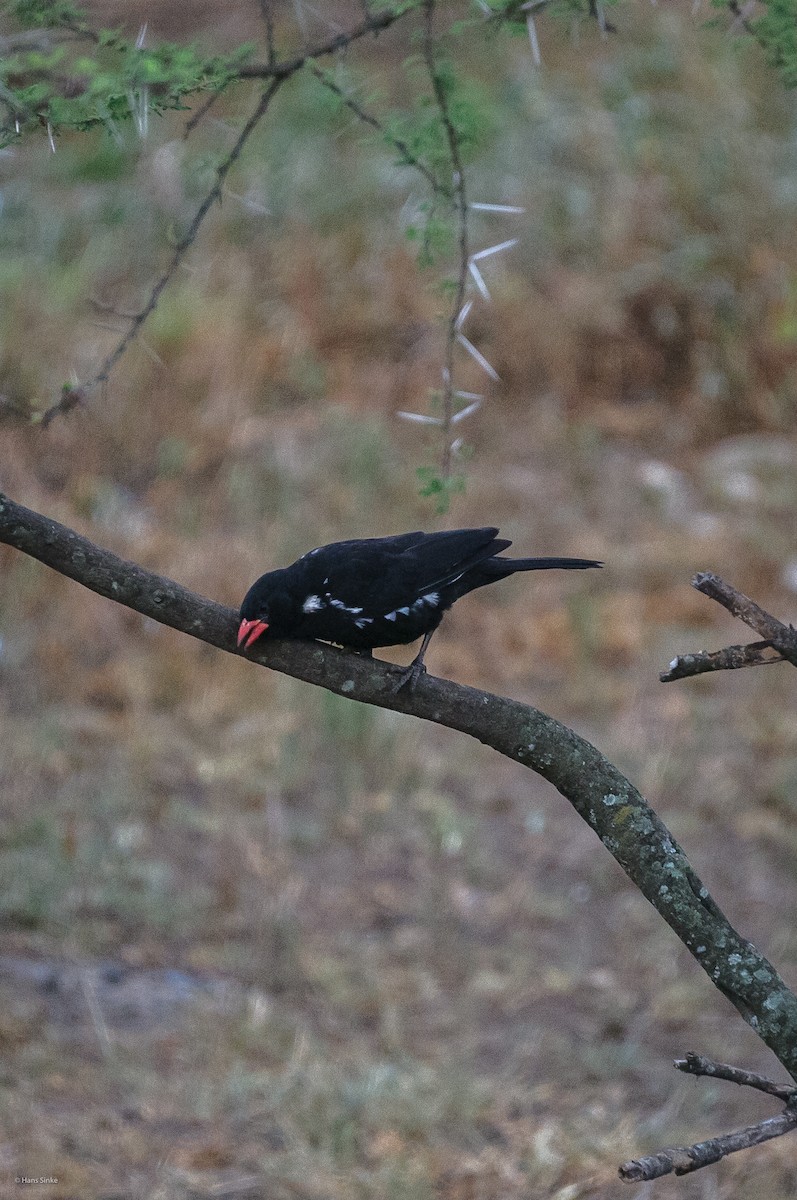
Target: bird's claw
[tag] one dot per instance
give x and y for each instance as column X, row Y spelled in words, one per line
column 410, row 676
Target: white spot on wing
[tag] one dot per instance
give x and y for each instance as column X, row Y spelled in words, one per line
column 344, row 607
column 312, row 604
column 361, row 622
column 404, row 611
column 390, row 616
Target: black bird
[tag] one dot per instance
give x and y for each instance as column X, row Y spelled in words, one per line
column 381, row 591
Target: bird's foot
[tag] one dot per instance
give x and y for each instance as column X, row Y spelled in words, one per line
column 410, row 676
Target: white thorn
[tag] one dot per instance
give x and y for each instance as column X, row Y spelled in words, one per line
column 419, row 418
column 50, row 137
column 468, row 395
column 535, row 45
column 466, row 412
column 322, row 17
column 502, row 208
column 479, row 280
column 252, row 205
column 463, row 315
column 493, row 249
column 142, row 33
column 480, row 359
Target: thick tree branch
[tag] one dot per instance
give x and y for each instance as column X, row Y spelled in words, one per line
column 780, row 640
column 628, row 827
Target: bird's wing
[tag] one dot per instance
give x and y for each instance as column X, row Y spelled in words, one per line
column 440, row 557
column 397, row 544
column 390, row 573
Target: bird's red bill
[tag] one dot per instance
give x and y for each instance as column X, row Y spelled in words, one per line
column 249, row 632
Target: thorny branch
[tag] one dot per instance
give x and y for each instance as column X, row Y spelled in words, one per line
column 682, row 1160
column 69, row 396
column 780, row 640
column 275, row 74
column 461, row 209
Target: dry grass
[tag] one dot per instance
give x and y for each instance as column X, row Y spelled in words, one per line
column 315, row 950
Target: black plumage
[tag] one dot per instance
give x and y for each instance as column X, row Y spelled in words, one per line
column 381, row 591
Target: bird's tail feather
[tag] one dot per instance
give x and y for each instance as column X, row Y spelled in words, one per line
column 508, row 566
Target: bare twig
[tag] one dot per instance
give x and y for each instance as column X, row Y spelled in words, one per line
column 697, row 1064
column 682, row 1160
column 779, row 639
column 460, row 204
column 732, row 658
column 783, row 637
column 204, row 108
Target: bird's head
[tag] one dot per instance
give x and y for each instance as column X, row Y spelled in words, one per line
column 267, row 608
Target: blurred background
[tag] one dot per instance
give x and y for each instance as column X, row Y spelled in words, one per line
column 257, row 940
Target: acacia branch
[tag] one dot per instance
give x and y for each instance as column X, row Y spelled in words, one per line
column 70, row 396
column 780, row 640
column 460, row 206
column 273, row 73
column 612, row 807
